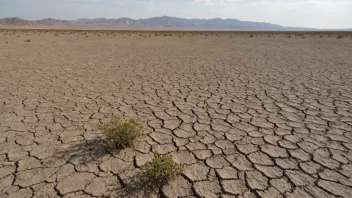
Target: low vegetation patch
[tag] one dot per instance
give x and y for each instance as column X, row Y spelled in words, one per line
column 121, row 134
column 162, row 168
column 27, row 41
column 340, row 36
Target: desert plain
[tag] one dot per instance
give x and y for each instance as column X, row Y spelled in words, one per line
column 249, row 114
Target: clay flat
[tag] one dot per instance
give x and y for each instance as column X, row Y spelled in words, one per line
column 249, row 114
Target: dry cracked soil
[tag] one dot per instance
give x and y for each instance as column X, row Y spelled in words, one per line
column 261, row 116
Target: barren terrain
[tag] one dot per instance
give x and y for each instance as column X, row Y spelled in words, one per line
column 249, row 114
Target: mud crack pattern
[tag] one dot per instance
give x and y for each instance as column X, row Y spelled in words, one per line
column 249, row 117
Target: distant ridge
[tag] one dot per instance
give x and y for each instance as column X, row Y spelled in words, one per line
column 15, row 21
column 180, row 23
column 53, row 22
column 164, row 22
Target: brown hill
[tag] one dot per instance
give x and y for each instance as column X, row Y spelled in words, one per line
column 15, row 21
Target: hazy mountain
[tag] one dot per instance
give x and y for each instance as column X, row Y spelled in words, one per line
column 18, row 22
column 54, row 22
column 179, row 23
column 15, row 21
column 164, row 22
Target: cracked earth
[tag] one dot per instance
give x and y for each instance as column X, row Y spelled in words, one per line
column 267, row 116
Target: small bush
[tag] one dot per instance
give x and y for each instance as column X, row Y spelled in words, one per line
column 251, row 35
column 121, row 134
column 321, row 36
column 289, row 36
column 162, row 168
column 27, row 41
column 340, row 36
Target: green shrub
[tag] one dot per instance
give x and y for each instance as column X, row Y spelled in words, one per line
column 162, row 168
column 121, row 134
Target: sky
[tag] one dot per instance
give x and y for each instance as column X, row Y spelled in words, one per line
column 294, row 13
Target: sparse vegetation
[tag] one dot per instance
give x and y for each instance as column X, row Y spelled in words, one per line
column 339, row 36
column 251, row 35
column 162, row 168
column 121, row 134
column 27, row 41
column 289, row 36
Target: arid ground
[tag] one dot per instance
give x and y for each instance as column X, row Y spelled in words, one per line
column 249, row 114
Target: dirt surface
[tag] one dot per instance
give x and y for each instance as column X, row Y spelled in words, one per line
column 261, row 116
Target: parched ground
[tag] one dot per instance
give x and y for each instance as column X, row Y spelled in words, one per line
column 262, row 116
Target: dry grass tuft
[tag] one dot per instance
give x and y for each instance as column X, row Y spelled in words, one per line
column 121, row 134
column 162, row 168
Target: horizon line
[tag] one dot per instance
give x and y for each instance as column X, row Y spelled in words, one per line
column 348, row 28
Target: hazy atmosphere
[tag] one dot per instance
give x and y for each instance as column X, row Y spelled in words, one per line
column 297, row 13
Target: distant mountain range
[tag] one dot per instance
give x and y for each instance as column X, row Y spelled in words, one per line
column 164, row 22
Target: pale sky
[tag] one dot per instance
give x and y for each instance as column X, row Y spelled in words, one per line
column 297, row 13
